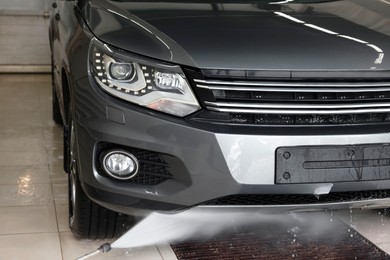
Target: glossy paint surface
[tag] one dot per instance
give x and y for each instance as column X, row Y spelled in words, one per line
column 285, row 35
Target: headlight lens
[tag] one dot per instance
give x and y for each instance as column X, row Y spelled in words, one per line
column 160, row 87
column 121, row 71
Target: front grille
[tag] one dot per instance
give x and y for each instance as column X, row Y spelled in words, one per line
column 298, row 199
column 153, row 170
column 291, row 102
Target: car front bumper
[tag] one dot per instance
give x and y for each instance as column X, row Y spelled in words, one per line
column 210, row 165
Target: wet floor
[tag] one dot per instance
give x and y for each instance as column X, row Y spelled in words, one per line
column 33, row 186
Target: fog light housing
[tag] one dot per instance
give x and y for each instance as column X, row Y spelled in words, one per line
column 120, row 165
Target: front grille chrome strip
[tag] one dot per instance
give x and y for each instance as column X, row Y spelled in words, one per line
column 294, row 86
column 285, row 89
column 298, row 106
column 299, row 112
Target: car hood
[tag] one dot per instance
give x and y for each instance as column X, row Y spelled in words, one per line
column 249, row 35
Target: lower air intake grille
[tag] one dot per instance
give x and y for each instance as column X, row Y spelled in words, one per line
column 293, row 199
column 272, row 119
column 153, row 170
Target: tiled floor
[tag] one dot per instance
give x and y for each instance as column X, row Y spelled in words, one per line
column 33, row 186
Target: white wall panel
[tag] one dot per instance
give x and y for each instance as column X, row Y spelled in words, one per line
column 27, row 7
column 24, row 41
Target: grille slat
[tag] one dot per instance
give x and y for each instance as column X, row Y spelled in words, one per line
column 297, row 105
column 295, row 89
column 300, row 112
column 300, row 86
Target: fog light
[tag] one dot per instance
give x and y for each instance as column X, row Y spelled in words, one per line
column 120, row 165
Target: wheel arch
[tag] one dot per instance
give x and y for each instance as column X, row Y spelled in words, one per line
column 66, row 96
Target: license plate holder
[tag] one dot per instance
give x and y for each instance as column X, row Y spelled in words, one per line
column 329, row 164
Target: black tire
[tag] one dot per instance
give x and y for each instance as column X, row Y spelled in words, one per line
column 88, row 219
column 57, row 118
column 92, row 221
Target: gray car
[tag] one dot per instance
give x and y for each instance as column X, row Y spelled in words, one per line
column 169, row 105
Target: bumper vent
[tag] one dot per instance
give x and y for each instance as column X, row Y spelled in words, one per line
column 298, row 199
column 153, row 170
column 291, row 102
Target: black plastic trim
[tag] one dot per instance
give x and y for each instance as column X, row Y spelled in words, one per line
column 299, row 199
column 127, row 204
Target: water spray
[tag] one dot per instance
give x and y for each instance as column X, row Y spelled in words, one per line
column 160, row 228
column 102, row 249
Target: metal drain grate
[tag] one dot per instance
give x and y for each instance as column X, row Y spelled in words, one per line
column 273, row 242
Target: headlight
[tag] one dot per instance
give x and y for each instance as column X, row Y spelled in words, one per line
column 154, row 85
